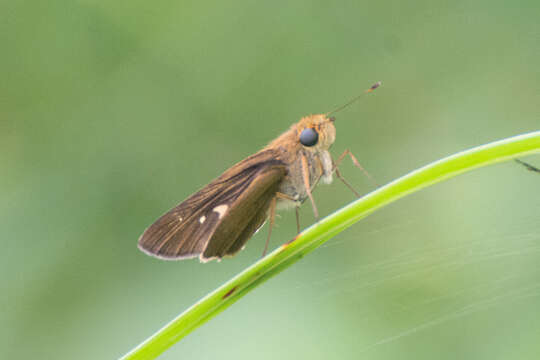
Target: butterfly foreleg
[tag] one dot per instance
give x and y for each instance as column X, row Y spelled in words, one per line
column 335, row 169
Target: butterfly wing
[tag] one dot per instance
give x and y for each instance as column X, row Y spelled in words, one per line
column 218, row 219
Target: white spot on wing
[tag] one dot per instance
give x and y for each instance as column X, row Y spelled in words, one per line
column 221, row 210
column 202, row 219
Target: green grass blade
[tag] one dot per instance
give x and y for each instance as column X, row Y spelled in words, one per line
column 317, row 234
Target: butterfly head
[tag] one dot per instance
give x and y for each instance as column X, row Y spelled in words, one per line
column 316, row 132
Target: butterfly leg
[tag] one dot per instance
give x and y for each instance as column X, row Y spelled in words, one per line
column 340, row 177
column 355, row 162
column 272, row 215
column 305, row 177
column 528, row 166
column 290, row 198
column 335, row 169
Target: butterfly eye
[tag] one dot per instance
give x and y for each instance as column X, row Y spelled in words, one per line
column 309, row 137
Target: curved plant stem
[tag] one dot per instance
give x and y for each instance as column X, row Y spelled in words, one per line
column 317, row 234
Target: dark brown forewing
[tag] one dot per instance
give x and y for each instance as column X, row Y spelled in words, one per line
column 186, row 230
column 246, row 215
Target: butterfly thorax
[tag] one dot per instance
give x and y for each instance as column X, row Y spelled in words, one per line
column 320, row 169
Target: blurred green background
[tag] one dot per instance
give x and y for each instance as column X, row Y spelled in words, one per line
column 113, row 112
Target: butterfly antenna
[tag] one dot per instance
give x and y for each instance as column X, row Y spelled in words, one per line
column 355, row 99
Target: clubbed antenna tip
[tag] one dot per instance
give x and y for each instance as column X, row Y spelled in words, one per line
column 374, row 86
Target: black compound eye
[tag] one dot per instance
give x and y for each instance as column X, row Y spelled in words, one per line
column 309, row 137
